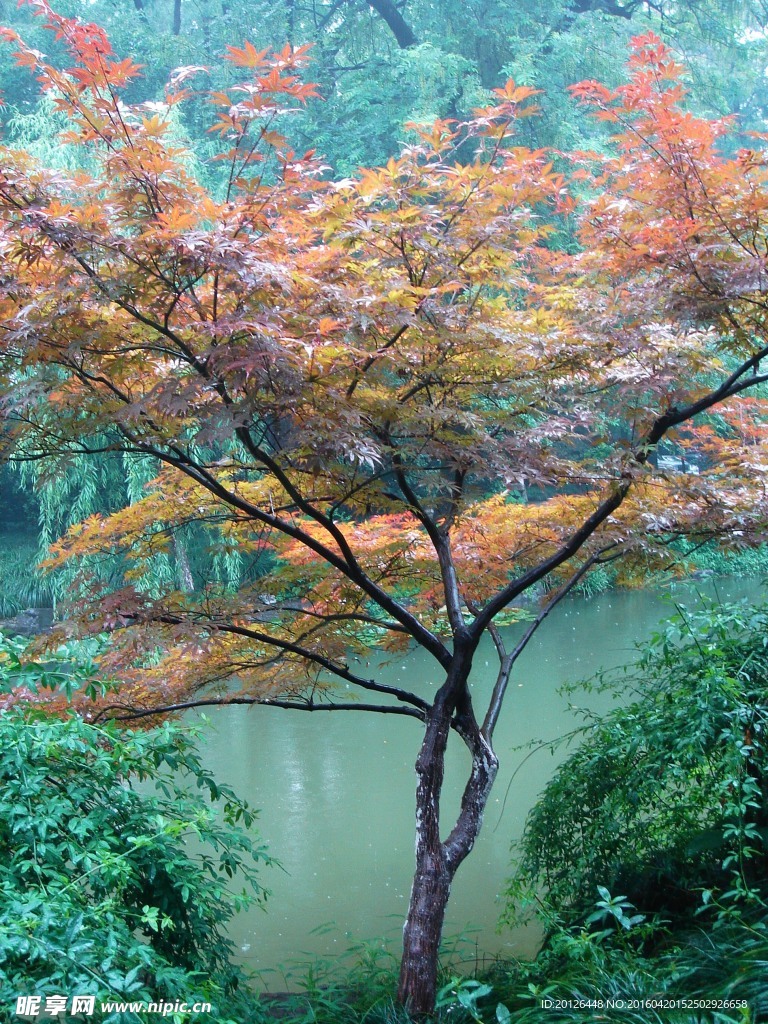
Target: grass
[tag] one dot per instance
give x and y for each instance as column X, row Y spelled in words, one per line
column 570, row 982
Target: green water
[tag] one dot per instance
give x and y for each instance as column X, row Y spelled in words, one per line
column 337, row 790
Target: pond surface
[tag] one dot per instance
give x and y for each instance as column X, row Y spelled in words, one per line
column 337, row 790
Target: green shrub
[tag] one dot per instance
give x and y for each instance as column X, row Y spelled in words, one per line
column 666, row 800
column 578, row 974
column 118, row 852
column 647, row 855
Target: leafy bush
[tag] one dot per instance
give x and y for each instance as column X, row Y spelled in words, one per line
column 666, row 800
column 647, row 856
column 117, row 854
column 578, row 973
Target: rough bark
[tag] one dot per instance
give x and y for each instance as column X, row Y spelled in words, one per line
column 417, row 988
column 432, row 880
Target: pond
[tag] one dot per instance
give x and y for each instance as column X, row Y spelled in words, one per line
column 336, row 791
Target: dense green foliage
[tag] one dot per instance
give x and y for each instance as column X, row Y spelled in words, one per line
column 727, row 964
column 646, row 856
column 665, row 800
column 120, row 861
column 22, row 585
column 443, row 63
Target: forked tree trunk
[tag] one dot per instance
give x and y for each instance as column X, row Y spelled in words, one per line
column 437, row 861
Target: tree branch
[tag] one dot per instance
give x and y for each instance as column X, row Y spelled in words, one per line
column 397, row 24
column 616, row 10
column 167, row 709
column 508, row 660
column 288, row 647
column 731, row 386
column 180, row 460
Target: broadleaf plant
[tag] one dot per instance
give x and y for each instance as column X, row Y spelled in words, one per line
column 101, row 890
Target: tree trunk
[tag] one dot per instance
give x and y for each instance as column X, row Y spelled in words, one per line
column 290, row 20
column 183, row 569
column 176, row 27
column 417, row 988
column 397, row 24
column 437, row 861
column 432, row 880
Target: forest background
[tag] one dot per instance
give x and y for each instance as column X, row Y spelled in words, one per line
column 377, row 67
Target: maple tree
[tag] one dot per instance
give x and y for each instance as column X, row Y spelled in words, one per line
column 391, row 392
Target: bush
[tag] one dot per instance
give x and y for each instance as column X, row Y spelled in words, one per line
column 647, row 855
column 117, row 854
column 666, row 800
column 706, row 977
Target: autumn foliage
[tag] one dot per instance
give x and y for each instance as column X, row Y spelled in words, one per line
column 396, row 391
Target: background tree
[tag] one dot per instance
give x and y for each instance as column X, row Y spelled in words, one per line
column 455, row 53
column 357, row 384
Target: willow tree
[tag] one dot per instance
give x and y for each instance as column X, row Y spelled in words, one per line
column 393, row 390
